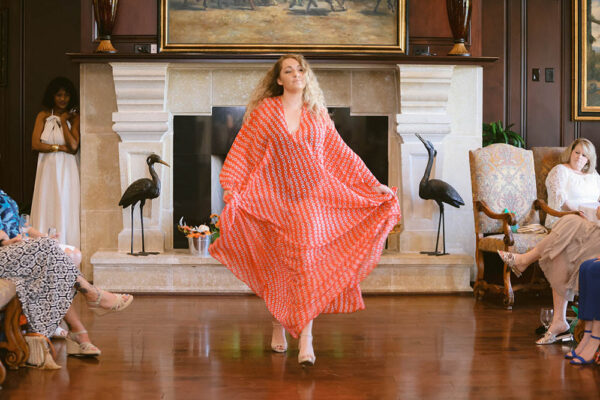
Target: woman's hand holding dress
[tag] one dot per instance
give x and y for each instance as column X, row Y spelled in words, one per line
column 382, row 189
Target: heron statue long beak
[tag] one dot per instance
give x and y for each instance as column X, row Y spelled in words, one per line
column 164, row 163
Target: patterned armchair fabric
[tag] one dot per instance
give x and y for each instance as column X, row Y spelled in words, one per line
column 545, row 158
column 523, row 242
column 503, row 177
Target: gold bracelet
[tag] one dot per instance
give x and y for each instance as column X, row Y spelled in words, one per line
column 54, row 148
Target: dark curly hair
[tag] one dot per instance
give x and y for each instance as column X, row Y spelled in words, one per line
column 54, row 86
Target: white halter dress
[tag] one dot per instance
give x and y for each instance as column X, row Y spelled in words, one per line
column 56, row 193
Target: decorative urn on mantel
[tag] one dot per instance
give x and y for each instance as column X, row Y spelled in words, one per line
column 459, row 16
column 105, row 13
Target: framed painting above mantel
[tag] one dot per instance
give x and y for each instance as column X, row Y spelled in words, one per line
column 278, row 26
column 586, row 60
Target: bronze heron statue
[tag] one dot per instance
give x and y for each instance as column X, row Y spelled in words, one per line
column 438, row 191
column 140, row 191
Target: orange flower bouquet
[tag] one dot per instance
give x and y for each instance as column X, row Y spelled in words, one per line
column 201, row 236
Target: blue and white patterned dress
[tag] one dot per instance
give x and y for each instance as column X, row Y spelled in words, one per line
column 42, row 272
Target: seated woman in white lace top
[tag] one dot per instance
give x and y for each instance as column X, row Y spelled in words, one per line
column 573, row 185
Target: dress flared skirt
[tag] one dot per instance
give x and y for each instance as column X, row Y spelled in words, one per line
column 44, row 277
column 572, row 241
column 299, row 282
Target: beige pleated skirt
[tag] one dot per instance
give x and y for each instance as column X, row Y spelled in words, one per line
column 573, row 240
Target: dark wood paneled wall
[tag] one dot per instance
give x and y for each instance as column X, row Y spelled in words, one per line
column 543, row 114
column 137, row 22
column 428, row 25
column 40, row 33
column 11, row 143
column 527, row 34
column 523, row 34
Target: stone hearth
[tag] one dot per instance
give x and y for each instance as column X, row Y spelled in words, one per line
column 179, row 272
column 127, row 112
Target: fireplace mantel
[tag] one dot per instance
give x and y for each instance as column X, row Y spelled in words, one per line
column 330, row 58
column 127, row 108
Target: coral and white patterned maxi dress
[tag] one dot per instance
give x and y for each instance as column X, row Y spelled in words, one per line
column 302, row 226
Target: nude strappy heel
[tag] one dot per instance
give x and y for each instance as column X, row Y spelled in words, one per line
column 75, row 348
column 509, row 260
column 278, row 347
column 306, row 354
column 123, row 301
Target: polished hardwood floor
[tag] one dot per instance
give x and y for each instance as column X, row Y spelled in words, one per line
column 400, row 347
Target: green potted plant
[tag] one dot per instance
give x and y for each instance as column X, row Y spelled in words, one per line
column 496, row 133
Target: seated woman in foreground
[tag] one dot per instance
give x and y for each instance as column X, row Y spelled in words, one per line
column 47, row 279
column 589, row 312
column 573, row 238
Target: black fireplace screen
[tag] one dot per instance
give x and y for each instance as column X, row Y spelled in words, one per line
column 201, row 144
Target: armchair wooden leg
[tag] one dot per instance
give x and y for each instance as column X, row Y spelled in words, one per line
column 480, row 285
column 479, row 289
column 509, row 296
column 2, row 373
column 578, row 333
column 16, row 347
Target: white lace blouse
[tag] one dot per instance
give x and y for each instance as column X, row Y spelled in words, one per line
column 568, row 188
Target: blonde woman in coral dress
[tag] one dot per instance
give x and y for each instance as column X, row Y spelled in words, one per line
column 305, row 220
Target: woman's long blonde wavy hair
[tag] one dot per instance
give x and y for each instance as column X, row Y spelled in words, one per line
column 268, row 87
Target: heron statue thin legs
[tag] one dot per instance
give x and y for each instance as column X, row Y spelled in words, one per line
column 442, row 225
column 131, row 252
column 143, row 252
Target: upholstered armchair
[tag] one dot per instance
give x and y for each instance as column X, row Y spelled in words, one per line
column 544, row 159
column 503, row 177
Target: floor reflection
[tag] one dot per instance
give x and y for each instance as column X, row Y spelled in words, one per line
column 218, row 347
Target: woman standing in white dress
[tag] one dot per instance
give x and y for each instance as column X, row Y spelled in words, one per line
column 56, row 137
column 573, row 185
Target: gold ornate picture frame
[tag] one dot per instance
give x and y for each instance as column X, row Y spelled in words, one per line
column 276, row 26
column 586, row 60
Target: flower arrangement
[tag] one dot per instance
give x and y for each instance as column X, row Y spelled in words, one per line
column 201, row 230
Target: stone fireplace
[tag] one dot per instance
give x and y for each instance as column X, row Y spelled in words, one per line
column 127, row 113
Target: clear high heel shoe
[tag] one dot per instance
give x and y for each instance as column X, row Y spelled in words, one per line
column 276, row 345
column 306, row 354
column 74, row 348
column 123, row 301
column 550, row 338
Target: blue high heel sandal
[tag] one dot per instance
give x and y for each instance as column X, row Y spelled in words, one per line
column 582, row 361
column 571, row 355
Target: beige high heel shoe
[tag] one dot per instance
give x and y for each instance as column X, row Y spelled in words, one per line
column 123, row 301
column 278, row 347
column 74, row 348
column 509, row 259
column 306, row 354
